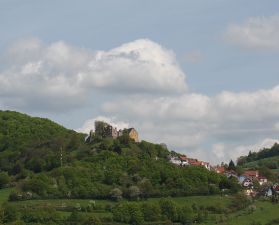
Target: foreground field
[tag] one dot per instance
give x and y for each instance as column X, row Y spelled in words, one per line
column 258, row 213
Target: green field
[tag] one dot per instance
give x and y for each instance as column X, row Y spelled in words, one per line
column 205, row 201
column 4, row 195
column 263, row 211
column 261, row 162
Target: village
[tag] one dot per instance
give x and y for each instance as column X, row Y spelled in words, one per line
column 252, row 182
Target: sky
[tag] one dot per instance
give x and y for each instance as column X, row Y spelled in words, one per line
column 201, row 76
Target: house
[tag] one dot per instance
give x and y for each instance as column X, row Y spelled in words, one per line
column 175, row 160
column 254, row 174
column 206, row 165
column 276, row 188
column 248, row 182
column 195, row 162
column 220, row 169
column 241, row 179
column 231, row 173
column 268, row 192
column 250, row 192
column 262, row 180
column 184, row 160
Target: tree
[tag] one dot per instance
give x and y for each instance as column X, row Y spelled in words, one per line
column 121, row 213
column 185, row 215
column 116, row 194
column 134, row 192
column 240, row 201
column 136, row 214
column 145, row 187
column 151, row 211
column 231, row 165
column 169, row 209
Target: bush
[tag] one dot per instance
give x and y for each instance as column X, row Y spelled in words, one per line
column 151, row 211
column 185, row 215
column 169, row 209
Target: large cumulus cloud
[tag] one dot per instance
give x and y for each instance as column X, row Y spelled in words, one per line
column 60, row 76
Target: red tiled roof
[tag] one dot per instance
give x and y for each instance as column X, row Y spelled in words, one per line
column 196, row 163
column 251, row 173
column 184, row 158
column 220, row 169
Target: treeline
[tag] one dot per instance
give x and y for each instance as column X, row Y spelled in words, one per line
column 157, row 212
column 262, row 154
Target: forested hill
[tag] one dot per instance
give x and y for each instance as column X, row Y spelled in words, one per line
column 260, row 155
column 25, row 139
column 30, row 161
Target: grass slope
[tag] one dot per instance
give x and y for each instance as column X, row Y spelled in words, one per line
column 4, row 194
column 263, row 162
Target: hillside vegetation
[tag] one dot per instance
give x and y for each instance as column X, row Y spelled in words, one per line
column 265, row 158
column 104, row 168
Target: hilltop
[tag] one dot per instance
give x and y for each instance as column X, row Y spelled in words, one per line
column 32, row 143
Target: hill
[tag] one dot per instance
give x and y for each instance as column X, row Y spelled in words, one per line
column 104, row 168
column 26, row 140
column 267, row 157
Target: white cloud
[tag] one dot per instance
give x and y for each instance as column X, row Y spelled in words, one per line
column 61, row 76
column 187, row 123
column 90, row 124
column 188, row 106
column 226, row 106
column 219, row 150
column 255, row 33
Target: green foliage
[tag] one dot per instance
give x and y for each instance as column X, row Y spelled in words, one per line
column 186, row 215
column 35, row 142
column 77, row 218
column 30, row 153
column 262, row 154
column 169, row 209
column 116, row 194
column 9, row 214
column 151, row 211
column 240, row 201
column 231, row 165
column 4, row 179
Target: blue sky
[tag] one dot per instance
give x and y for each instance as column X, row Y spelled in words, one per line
column 204, row 39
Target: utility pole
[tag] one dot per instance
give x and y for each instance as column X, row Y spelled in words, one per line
column 61, row 157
